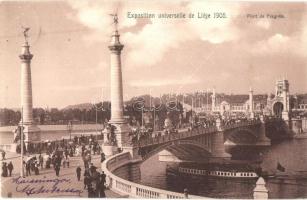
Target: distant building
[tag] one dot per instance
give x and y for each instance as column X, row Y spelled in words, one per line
column 299, row 102
column 280, row 104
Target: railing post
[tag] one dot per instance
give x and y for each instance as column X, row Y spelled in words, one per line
column 133, row 191
column 260, row 191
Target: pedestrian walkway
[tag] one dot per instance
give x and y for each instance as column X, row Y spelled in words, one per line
column 47, row 184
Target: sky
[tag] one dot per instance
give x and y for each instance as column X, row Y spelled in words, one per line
column 69, row 41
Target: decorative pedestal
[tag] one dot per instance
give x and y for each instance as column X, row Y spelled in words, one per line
column 32, row 133
column 122, row 132
column 109, row 150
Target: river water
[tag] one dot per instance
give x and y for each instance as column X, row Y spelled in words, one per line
column 292, row 154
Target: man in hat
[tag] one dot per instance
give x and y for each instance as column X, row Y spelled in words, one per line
column 10, row 167
column 78, row 171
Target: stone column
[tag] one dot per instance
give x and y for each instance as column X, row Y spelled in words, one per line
column 116, row 47
column 32, row 132
column 217, row 143
column 285, row 112
column 120, row 127
column 263, row 139
column 26, row 84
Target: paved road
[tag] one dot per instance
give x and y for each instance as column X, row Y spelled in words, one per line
column 66, row 185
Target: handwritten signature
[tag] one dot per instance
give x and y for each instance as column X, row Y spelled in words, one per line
column 28, row 186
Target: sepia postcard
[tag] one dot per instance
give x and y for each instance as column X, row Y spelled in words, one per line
column 153, row 99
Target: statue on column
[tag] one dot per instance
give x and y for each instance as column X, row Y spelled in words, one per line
column 25, row 33
column 115, row 20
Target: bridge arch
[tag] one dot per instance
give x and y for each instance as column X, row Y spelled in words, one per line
column 241, row 135
column 277, row 108
column 159, row 148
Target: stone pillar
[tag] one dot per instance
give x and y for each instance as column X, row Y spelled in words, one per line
column 263, row 139
column 285, row 112
column 135, row 170
column 31, row 131
column 217, row 143
column 260, row 191
column 251, row 104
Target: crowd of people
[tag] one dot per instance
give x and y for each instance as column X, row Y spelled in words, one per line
column 57, row 155
column 93, row 181
column 50, row 146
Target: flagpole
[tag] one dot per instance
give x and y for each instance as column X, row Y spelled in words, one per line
column 207, row 100
column 21, row 144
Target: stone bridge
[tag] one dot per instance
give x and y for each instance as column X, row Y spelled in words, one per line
column 215, row 142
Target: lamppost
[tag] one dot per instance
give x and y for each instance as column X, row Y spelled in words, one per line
column 97, row 107
column 69, row 128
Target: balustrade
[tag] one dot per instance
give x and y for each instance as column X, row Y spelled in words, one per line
column 132, row 189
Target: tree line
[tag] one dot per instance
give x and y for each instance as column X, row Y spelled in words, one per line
column 145, row 106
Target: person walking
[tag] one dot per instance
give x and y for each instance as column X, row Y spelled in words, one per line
column 28, row 169
column 67, row 161
column 57, row 169
column 98, row 185
column 48, row 162
column 102, row 157
column 10, row 168
column 4, row 169
column 102, row 185
column 78, row 171
column 36, row 170
column 3, row 155
column 41, row 161
column 64, row 162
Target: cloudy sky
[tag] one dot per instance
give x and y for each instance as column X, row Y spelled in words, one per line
column 69, row 40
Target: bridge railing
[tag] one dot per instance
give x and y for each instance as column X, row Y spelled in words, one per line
column 134, row 190
column 240, row 124
column 185, row 133
column 176, row 136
